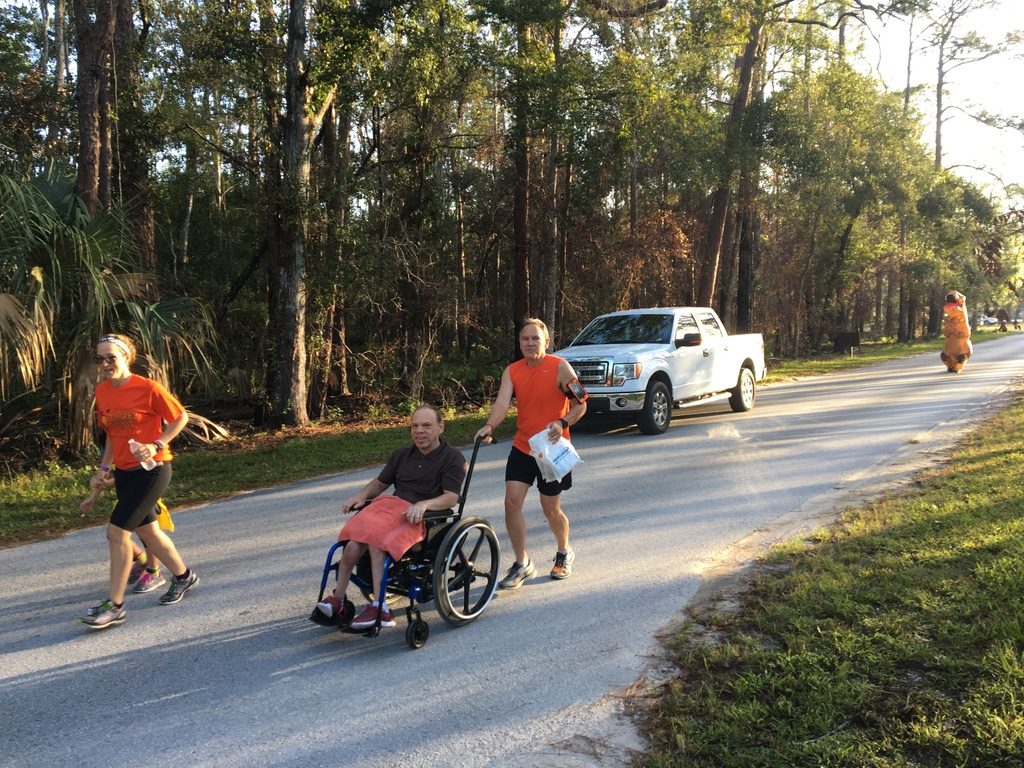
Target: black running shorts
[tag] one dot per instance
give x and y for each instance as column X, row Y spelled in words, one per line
column 522, row 467
column 137, row 494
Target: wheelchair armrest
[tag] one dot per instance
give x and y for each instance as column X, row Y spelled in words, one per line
column 437, row 515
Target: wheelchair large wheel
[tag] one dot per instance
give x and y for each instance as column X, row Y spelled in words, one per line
column 466, row 570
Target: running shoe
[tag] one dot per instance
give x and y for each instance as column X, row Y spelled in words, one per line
column 368, row 618
column 136, row 572
column 149, row 581
column 517, row 574
column 178, row 588
column 330, row 607
column 563, row 564
column 104, row 615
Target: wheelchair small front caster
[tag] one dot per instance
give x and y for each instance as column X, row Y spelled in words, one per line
column 416, row 633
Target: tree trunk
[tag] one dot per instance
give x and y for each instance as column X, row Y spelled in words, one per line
column 549, row 256
column 319, row 373
column 332, row 363
column 134, row 137
column 54, row 132
column 461, row 297
column 187, row 201
column 105, row 182
column 289, row 312
column 723, row 192
column 95, row 38
column 563, row 245
column 521, row 199
column 271, row 153
column 940, row 84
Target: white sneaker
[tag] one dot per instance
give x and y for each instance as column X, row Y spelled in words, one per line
column 563, row 564
column 517, row 574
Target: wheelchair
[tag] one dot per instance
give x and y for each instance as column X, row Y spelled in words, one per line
column 455, row 566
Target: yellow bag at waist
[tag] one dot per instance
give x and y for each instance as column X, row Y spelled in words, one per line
column 163, row 516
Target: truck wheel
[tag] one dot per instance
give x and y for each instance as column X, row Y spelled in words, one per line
column 742, row 397
column 654, row 418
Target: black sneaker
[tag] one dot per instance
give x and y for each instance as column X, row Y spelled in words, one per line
column 517, row 574
column 177, row 589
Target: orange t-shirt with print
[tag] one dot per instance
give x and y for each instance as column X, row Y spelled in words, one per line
column 137, row 409
column 539, row 399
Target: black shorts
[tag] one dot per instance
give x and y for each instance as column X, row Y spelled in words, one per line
column 522, row 468
column 137, row 494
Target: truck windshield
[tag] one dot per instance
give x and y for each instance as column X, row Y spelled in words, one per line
column 627, row 329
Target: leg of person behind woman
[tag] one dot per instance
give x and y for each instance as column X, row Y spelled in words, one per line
column 161, row 546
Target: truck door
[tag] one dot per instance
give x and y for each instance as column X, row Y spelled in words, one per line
column 689, row 362
column 721, row 374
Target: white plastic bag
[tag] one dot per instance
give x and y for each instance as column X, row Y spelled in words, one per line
column 556, row 459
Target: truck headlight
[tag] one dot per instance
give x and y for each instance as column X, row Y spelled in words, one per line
column 623, row 371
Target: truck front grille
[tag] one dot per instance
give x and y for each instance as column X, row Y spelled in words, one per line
column 592, row 372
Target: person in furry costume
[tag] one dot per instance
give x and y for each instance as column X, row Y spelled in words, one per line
column 957, row 331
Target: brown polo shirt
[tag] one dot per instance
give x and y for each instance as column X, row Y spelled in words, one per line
column 417, row 476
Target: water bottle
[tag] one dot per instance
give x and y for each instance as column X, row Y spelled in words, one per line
column 148, row 464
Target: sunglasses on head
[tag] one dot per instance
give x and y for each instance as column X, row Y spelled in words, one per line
column 100, row 360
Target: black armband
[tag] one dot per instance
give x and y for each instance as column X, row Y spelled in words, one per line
column 576, row 391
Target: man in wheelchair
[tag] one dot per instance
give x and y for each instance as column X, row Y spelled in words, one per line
column 427, row 476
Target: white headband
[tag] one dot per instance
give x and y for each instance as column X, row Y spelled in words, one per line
column 118, row 342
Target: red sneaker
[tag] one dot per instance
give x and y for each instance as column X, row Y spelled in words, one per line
column 330, row 607
column 368, row 618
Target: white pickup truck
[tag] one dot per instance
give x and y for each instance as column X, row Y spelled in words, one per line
column 642, row 362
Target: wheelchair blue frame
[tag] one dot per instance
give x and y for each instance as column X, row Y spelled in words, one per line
column 456, row 566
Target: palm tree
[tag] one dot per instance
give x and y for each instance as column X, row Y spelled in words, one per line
column 65, row 280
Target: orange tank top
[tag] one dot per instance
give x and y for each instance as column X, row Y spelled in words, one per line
column 539, row 399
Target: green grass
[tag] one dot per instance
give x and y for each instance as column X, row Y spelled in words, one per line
column 44, row 504
column 895, row 639
column 869, row 353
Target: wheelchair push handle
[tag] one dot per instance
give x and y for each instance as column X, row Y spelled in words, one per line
column 469, row 472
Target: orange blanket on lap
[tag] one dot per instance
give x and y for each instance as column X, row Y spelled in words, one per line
column 382, row 524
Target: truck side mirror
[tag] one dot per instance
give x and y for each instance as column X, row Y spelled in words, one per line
column 689, row 340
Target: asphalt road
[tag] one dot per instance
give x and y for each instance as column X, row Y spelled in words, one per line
column 235, row 675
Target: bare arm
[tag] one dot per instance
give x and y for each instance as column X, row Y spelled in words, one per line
column 101, row 477
column 576, row 408
column 502, row 402
column 173, row 429
column 446, row 500
column 373, row 488
column 170, row 431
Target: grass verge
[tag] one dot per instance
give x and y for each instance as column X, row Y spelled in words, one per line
column 893, row 640
column 867, row 354
column 45, row 504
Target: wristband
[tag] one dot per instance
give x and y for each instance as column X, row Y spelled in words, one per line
column 104, row 469
column 159, row 444
column 564, row 423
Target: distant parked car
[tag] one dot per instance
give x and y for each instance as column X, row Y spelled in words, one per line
column 985, row 320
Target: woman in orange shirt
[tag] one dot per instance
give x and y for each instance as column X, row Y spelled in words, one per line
column 140, row 418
